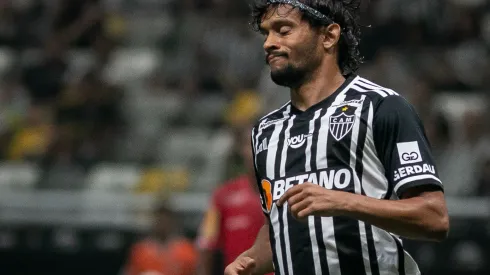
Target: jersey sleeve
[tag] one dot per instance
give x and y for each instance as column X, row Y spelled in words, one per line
column 264, row 185
column 402, row 146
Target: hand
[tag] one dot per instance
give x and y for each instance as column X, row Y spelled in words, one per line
column 310, row 199
column 241, row 266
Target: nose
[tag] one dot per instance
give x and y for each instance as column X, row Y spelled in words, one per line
column 270, row 44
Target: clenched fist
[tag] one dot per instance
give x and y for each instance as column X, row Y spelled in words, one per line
column 310, row 199
column 241, row 266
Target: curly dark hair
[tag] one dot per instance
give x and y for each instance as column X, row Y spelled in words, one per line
column 346, row 13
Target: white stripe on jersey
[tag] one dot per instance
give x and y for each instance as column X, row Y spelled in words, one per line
column 385, row 245
column 390, row 91
column 357, row 183
column 270, row 173
column 311, row 219
column 255, row 141
column 284, row 154
column 321, row 162
column 375, row 183
column 275, row 111
column 274, row 216
column 364, row 90
column 282, row 173
column 414, row 178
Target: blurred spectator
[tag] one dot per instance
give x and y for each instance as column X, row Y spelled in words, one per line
column 78, row 22
column 463, row 158
column 165, row 252
column 484, row 179
column 7, row 24
column 44, row 78
column 14, row 103
column 32, row 139
column 91, row 109
column 234, row 216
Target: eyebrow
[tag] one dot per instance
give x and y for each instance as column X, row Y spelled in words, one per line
column 278, row 21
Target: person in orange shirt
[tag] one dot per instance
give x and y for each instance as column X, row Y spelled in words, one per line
column 164, row 252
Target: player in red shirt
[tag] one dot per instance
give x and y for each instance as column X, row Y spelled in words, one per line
column 234, row 216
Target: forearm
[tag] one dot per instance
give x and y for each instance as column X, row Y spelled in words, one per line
column 206, row 260
column 420, row 217
column 261, row 252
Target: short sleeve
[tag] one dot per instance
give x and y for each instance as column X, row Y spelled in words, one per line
column 402, row 146
column 265, row 187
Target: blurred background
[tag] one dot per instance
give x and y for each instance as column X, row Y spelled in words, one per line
column 108, row 106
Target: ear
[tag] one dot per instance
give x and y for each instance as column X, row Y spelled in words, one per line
column 331, row 35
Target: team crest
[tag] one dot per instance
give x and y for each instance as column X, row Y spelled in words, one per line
column 341, row 125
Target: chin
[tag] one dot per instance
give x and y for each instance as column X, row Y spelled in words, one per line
column 286, row 76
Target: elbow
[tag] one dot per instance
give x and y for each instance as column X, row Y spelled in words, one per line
column 439, row 230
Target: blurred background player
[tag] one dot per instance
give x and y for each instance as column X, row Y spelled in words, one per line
column 234, row 215
column 165, row 252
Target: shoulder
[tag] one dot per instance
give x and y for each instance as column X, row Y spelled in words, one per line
column 223, row 191
column 377, row 93
column 272, row 117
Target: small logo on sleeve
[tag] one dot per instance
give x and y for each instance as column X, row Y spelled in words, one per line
column 409, row 152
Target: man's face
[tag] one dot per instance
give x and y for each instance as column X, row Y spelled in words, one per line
column 293, row 48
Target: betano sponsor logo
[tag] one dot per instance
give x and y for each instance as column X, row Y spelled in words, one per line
column 406, row 171
column 334, row 178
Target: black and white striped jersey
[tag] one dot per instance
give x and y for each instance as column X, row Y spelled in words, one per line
column 363, row 139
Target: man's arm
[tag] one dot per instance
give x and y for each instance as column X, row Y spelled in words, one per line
column 207, row 241
column 260, row 253
column 420, row 214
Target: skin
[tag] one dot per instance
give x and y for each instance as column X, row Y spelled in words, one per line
column 308, row 57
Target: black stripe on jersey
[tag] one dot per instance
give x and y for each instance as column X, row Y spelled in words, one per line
column 281, row 237
column 361, row 141
column 322, row 250
column 347, row 234
column 298, row 230
column 401, row 257
column 273, row 244
column 277, row 171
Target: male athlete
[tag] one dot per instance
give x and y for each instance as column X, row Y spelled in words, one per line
column 344, row 168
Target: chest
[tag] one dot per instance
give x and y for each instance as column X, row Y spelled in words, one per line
column 327, row 137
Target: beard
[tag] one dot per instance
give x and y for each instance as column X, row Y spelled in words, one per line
column 290, row 76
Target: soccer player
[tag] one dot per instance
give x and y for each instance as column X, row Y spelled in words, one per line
column 165, row 252
column 344, row 168
column 234, row 216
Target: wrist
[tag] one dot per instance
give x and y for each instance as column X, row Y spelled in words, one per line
column 346, row 204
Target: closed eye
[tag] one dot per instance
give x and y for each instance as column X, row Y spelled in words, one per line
column 285, row 30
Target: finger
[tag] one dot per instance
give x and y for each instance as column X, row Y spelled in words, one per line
column 304, row 213
column 294, row 190
column 296, row 198
column 296, row 208
column 248, row 266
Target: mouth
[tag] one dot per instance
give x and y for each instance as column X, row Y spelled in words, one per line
column 271, row 58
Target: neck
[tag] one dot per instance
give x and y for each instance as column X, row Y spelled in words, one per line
column 321, row 84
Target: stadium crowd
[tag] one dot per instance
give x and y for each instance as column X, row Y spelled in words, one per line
column 148, row 93
column 75, row 76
